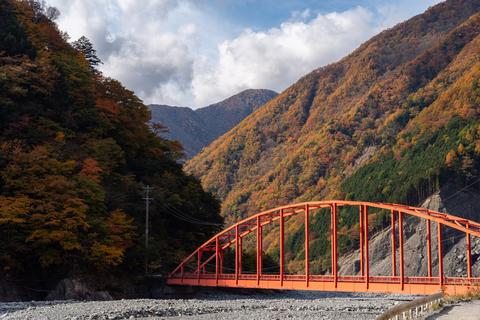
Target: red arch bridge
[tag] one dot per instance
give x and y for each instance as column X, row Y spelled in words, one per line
column 212, row 253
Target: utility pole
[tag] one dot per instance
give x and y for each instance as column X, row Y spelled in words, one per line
column 147, row 199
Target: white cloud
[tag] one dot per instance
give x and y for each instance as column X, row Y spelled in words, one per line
column 277, row 57
column 143, row 45
column 171, row 51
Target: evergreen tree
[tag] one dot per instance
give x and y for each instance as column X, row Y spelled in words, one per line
column 85, row 46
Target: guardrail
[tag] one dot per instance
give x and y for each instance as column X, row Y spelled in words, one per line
column 413, row 309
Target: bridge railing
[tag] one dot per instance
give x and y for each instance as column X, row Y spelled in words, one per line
column 415, row 309
column 329, row 278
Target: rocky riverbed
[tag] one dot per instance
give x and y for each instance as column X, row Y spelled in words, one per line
column 265, row 306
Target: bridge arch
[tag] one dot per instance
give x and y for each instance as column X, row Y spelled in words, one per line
column 397, row 282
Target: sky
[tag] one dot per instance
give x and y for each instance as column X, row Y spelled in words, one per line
column 198, row 52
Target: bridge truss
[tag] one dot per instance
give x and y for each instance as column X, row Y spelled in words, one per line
column 212, row 252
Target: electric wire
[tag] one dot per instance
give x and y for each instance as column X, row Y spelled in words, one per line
column 192, row 219
column 185, row 217
column 462, row 189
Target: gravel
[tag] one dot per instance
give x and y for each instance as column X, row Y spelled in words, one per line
column 280, row 305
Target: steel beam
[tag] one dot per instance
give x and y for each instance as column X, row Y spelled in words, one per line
column 400, row 244
column 429, row 248
column 217, row 259
column 367, row 269
column 362, row 241
column 440, row 254
column 469, row 254
column 240, row 255
column 394, row 246
column 259, row 250
column 236, row 252
column 282, row 247
column 334, row 244
column 307, row 245
column 199, row 263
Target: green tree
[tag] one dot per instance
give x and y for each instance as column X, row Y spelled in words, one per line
column 85, row 46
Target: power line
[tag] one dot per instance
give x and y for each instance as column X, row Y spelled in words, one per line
column 458, row 191
column 172, row 213
column 193, row 219
column 185, row 217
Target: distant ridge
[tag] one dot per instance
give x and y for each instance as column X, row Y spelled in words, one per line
column 195, row 129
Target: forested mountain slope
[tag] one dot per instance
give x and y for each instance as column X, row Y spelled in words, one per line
column 76, row 151
column 195, row 129
column 393, row 121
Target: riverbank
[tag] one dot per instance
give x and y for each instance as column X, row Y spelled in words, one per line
column 215, row 305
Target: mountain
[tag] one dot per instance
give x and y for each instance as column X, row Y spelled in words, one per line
column 394, row 121
column 195, row 129
column 76, row 152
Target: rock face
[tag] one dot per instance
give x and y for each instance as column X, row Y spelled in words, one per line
column 10, row 292
column 195, row 129
column 465, row 203
column 74, row 289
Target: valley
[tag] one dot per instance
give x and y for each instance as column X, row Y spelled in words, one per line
column 361, row 176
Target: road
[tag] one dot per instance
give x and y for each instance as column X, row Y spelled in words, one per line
column 459, row 311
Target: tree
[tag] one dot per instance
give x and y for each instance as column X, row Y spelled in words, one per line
column 52, row 13
column 451, row 158
column 85, row 46
column 41, row 11
column 118, row 235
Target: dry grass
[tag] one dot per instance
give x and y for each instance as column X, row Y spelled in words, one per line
column 472, row 294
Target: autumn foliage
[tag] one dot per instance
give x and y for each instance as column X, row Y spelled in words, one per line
column 76, row 151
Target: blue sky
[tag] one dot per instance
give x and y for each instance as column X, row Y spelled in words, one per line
column 264, row 14
column 197, row 52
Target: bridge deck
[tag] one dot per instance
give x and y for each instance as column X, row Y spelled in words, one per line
column 387, row 284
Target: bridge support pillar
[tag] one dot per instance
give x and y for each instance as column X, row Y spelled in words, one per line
column 334, row 242
column 365, row 225
column 400, row 245
column 240, row 255
column 429, row 247
column 469, row 254
column 236, row 253
column 221, row 261
column 217, row 259
column 307, row 245
column 362, row 241
column 394, row 246
column 282, row 247
column 440, row 254
column 199, row 264
column 259, row 250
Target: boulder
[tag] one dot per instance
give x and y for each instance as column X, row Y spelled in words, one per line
column 74, row 289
